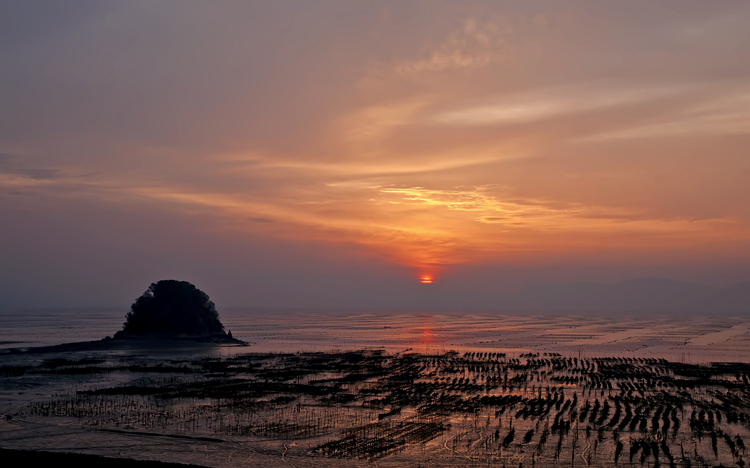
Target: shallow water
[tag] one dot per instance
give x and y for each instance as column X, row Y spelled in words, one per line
column 678, row 338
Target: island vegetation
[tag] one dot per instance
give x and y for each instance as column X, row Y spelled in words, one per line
column 171, row 308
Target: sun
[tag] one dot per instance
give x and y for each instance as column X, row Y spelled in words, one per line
column 425, row 280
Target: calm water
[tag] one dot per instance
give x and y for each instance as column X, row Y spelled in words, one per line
column 692, row 338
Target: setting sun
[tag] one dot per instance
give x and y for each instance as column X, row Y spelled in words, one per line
column 426, row 280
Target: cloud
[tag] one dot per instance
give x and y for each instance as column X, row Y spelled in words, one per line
column 261, row 220
column 13, row 165
column 725, row 114
column 469, row 199
column 476, row 44
column 491, row 219
column 545, row 103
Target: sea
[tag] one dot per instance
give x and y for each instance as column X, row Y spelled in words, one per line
column 685, row 338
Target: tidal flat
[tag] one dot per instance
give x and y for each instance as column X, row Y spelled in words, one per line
column 382, row 409
column 496, row 392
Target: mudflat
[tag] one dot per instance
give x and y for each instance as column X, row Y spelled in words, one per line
column 374, row 406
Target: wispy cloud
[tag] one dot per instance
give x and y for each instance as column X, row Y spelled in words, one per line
column 529, row 106
column 16, row 166
column 476, row 44
column 471, row 199
column 726, row 114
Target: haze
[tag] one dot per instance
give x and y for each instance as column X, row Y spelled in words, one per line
column 332, row 154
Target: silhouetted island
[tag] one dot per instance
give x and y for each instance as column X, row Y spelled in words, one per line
column 170, row 313
column 174, row 309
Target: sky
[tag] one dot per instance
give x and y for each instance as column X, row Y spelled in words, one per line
column 333, row 154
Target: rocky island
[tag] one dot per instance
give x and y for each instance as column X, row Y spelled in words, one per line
column 170, row 313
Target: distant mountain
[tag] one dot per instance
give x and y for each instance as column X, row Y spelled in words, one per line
column 638, row 295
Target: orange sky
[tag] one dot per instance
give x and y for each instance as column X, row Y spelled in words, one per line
column 428, row 137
